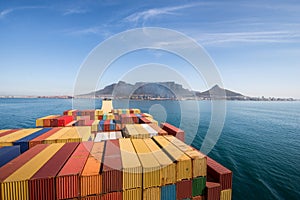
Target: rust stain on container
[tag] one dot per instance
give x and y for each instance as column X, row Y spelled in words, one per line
column 67, row 181
column 112, row 176
column 42, row 183
column 91, row 179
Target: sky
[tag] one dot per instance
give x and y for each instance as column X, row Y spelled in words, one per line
column 255, row 45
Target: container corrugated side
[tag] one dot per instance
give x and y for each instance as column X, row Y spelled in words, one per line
column 93, row 197
column 218, row 173
column 152, row 193
column 168, row 192
column 40, row 121
column 184, row 189
column 95, row 126
column 24, row 142
column 132, row 168
column 41, row 138
column 198, row 159
column 213, row 191
column 67, row 180
column 226, row 194
column 167, row 166
column 9, row 139
column 91, row 178
column 112, row 176
column 172, row 130
column 8, row 153
column 183, row 162
column 198, row 186
column 142, row 133
column 42, row 183
column 70, row 136
column 132, row 194
column 15, row 186
column 18, row 162
column 112, row 196
column 198, row 198
column 151, row 167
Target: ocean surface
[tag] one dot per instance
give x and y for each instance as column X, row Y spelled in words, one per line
column 260, row 141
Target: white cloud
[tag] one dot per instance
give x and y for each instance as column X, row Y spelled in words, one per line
column 72, row 11
column 150, row 13
column 6, row 12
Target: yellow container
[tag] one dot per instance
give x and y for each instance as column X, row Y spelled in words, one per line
column 184, row 163
column 198, row 159
column 133, row 194
column 53, row 138
column 40, row 121
column 98, row 112
column 15, row 187
column 136, row 111
column 148, row 115
column 70, row 112
column 4, row 130
column 151, row 167
column 132, row 168
column 151, row 193
column 226, row 194
column 91, row 179
column 8, row 140
column 84, row 132
column 168, row 168
column 70, row 136
column 136, row 131
column 142, row 133
column 95, row 126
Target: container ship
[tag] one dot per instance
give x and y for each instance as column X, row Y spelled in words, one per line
column 106, row 154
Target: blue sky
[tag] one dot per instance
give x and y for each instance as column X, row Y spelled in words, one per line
column 254, row 44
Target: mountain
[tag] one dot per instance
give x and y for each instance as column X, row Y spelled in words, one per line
column 165, row 90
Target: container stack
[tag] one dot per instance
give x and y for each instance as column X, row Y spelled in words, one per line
column 172, row 130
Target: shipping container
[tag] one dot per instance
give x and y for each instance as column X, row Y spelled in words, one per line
column 213, row 191
column 15, row 186
column 151, row 167
column 112, row 176
column 12, row 166
column 167, row 166
column 67, row 180
column 198, row 198
column 132, row 169
column 132, row 194
column 183, row 162
column 152, row 193
column 8, row 153
column 102, row 136
column 198, row 159
column 72, row 135
column 42, row 183
column 40, row 121
column 92, row 197
column 168, row 192
column 115, row 135
column 150, row 130
column 9, row 139
column 64, row 120
column 7, row 132
column 198, row 186
column 112, row 196
column 91, row 178
column 184, row 189
column 24, row 142
column 172, row 130
column 41, row 138
column 53, row 137
column 226, row 194
column 218, row 173
column 159, row 130
column 50, row 121
column 95, row 125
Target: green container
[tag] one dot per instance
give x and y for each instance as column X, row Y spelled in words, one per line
column 198, row 186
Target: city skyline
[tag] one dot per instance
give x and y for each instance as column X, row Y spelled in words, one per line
column 255, row 45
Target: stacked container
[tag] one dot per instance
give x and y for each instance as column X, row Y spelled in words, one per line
column 172, row 130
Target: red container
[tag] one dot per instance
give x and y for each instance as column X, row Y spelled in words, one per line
column 213, row 191
column 66, row 112
column 218, row 173
column 67, row 181
column 41, row 138
column 100, row 117
column 64, row 120
column 49, row 121
column 172, row 130
column 112, row 196
column 184, row 189
column 8, row 132
column 42, row 183
column 10, row 167
column 112, row 177
column 93, row 197
column 89, row 122
column 54, row 122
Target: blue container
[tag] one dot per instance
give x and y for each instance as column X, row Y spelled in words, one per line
column 168, row 192
column 112, row 125
column 24, row 142
column 101, row 125
column 8, row 153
